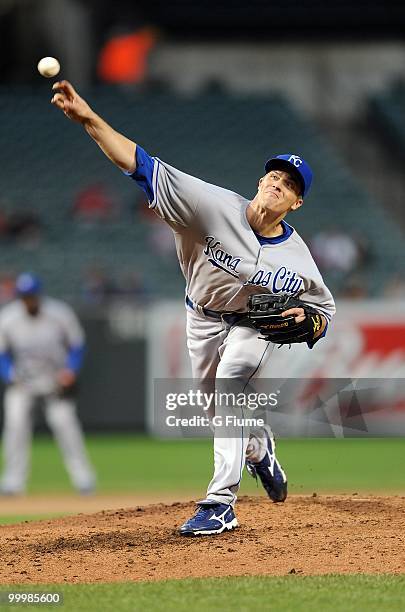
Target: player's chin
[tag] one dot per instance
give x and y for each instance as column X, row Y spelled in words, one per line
column 276, row 206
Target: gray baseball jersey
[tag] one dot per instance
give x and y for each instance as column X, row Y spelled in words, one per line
column 223, row 260
column 39, row 344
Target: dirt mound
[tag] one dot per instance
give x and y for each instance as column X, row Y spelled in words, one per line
column 306, row 535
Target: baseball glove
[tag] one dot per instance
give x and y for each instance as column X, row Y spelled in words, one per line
column 264, row 314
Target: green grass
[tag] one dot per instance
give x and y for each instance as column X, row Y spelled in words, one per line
column 290, row 593
column 136, row 463
column 19, row 518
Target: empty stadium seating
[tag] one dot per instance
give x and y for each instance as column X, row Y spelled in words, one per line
column 46, row 161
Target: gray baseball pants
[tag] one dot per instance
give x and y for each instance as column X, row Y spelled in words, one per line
column 228, row 359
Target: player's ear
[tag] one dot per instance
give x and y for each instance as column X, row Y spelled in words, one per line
column 297, row 204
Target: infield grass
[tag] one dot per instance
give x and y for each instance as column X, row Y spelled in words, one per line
column 141, row 464
column 288, row 593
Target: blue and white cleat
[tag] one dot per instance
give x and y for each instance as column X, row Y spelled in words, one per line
column 210, row 519
column 270, row 472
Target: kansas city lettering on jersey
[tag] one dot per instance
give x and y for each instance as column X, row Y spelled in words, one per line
column 283, row 280
column 219, row 258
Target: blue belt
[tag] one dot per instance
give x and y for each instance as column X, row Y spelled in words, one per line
column 228, row 317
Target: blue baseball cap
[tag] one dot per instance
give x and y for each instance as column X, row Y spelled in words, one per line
column 289, row 162
column 28, row 284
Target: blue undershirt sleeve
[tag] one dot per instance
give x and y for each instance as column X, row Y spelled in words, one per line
column 74, row 359
column 6, row 367
column 143, row 174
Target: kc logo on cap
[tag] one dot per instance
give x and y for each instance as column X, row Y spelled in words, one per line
column 295, row 159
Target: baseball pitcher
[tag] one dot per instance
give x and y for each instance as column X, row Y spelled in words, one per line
column 251, row 284
column 41, row 352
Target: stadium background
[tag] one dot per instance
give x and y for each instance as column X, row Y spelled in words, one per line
column 214, row 89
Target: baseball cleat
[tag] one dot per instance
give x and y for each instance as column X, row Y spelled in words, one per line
column 270, row 472
column 210, row 519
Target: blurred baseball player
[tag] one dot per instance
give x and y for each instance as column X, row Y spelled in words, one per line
column 229, row 250
column 41, row 352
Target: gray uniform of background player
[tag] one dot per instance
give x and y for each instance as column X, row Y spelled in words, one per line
column 39, row 346
column 223, row 263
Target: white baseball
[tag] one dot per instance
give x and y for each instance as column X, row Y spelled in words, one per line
column 48, row 67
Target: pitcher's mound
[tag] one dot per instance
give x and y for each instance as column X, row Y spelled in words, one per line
column 305, row 535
